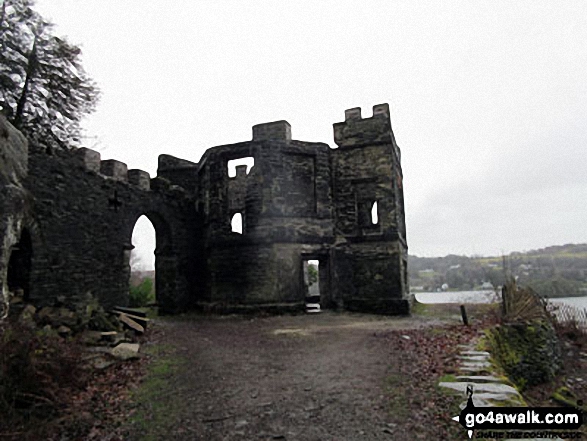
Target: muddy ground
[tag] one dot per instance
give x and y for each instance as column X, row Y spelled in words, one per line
column 326, row 376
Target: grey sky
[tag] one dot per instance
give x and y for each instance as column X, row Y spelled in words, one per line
column 488, row 98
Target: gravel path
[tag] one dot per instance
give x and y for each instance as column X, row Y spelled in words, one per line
column 306, row 377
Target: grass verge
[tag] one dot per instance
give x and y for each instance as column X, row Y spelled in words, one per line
column 155, row 407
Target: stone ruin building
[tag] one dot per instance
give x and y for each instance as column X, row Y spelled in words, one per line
column 66, row 221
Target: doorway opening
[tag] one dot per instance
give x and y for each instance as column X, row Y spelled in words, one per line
column 19, row 267
column 311, row 271
column 142, row 292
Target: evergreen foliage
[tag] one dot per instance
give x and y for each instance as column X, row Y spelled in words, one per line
column 44, row 90
column 142, row 294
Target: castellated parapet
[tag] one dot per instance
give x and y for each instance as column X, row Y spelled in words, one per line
column 300, row 201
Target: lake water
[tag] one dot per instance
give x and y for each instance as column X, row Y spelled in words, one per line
column 485, row 297
column 457, row 297
column 577, row 302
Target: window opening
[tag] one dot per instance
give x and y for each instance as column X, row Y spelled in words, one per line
column 374, row 214
column 236, row 223
column 311, row 270
column 249, row 161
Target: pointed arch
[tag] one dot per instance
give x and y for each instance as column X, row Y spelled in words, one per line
column 19, row 265
column 164, row 258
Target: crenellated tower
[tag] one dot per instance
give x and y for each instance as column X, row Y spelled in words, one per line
column 369, row 219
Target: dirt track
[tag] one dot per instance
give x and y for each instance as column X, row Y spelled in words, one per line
column 307, row 377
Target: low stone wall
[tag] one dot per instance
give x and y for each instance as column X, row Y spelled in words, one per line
column 528, row 352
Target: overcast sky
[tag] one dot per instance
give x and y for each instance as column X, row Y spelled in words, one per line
column 488, row 98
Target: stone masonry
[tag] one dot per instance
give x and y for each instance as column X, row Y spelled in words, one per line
column 67, row 220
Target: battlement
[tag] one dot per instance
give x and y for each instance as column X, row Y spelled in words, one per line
column 91, row 161
column 277, row 130
column 357, row 131
column 114, row 169
column 299, row 201
column 140, row 178
column 88, row 159
column 178, row 171
column 169, row 162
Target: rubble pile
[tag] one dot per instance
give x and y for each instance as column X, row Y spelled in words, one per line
column 109, row 336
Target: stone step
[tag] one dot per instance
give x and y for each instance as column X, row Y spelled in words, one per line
column 481, row 379
column 483, row 353
column 497, row 388
column 474, row 357
column 476, row 364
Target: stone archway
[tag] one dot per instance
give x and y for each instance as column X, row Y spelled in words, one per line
column 19, row 266
column 165, row 261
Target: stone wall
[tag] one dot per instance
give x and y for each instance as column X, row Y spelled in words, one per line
column 304, row 201
column 85, row 210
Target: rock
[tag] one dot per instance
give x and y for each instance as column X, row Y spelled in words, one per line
column 114, row 340
column 91, row 337
column 126, row 351
column 66, row 317
column 241, row 423
column 28, row 313
column 57, row 317
column 102, row 363
column 44, row 315
column 131, row 324
column 100, row 322
column 63, row 331
column 15, row 300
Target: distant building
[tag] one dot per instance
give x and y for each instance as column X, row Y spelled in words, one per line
column 486, row 285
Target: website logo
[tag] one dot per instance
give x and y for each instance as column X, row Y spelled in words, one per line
column 518, row 419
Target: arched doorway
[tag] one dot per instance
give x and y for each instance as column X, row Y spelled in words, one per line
column 142, row 264
column 153, row 263
column 19, row 266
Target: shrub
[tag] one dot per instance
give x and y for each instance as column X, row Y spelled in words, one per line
column 38, row 371
column 142, row 294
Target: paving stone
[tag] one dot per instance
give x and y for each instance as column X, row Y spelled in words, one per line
column 485, row 353
column 480, row 379
column 473, row 358
column 497, row 388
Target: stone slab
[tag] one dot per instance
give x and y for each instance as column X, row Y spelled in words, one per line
column 497, row 388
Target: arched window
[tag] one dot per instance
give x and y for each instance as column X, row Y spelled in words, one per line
column 236, row 223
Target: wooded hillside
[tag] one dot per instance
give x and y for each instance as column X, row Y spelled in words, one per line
column 555, row 271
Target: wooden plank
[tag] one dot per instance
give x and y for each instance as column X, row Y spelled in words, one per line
column 130, row 311
column 130, row 323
